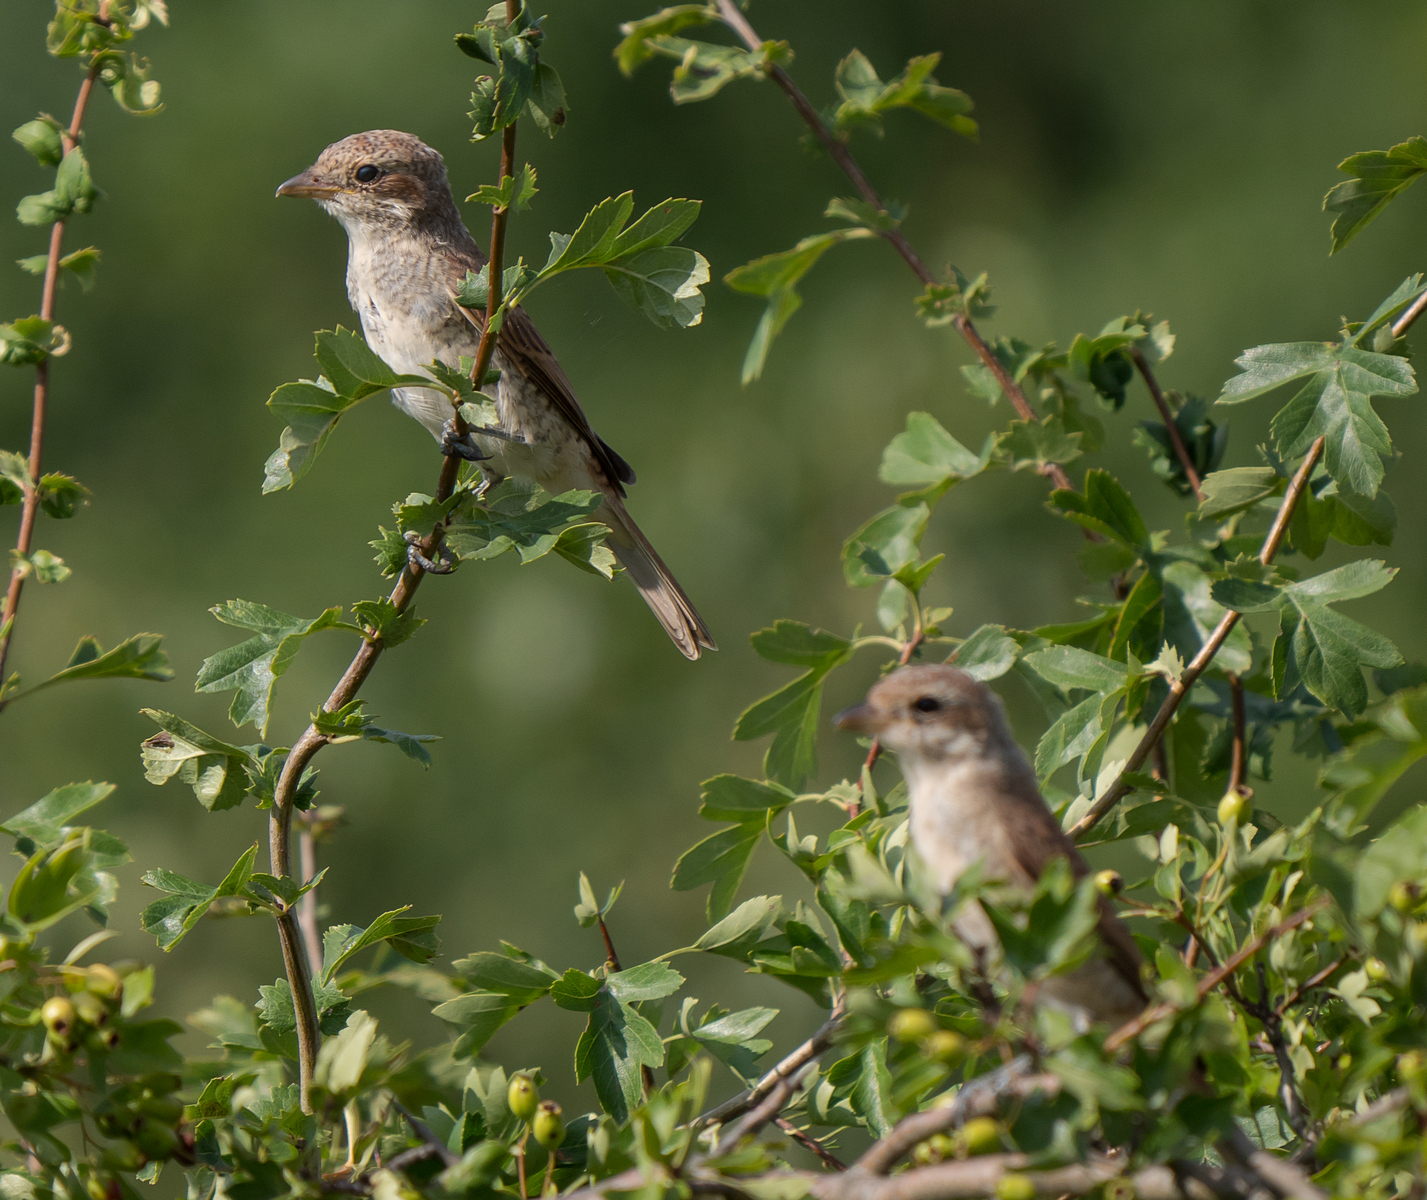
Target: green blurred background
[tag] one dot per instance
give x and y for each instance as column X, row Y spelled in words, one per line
column 1170, row 157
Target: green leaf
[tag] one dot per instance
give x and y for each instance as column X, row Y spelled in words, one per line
column 351, row 373
column 1378, row 178
column 481, row 1014
column 53, row 883
column 185, row 902
column 277, row 1012
column 30, row 341
column 141, row 657
column 776, row 276
column 73, row 192
column 522, row 982
column 546, row 106
column 252, row 668
column 633, row 50
column 1070, row 736
column 41, row 564
column 1317, row 646
column 942, row 303
column 720, row 859
column 1395, row 857
column 800, row 645
column 381, row 621
column 742, row 929
column 1237, row 489
column 1335, row 403
column 733, row 798
column 871, row 1094
column 929, row 457
column 584, row 545
column 41, row 137
column 1069, row 667
column 1105, row 507
column 1361, row 773
column 514, row 191
column 213, row 769
column 705, row 68
column 515, row 516
column 404, row 933
column 663, row 283
column 43, row 820
column 82, row 264
column 594, row 240
column 1032, row 445
column 987, row 654
column 886, row 544
column 865, row 98
column 616, row 1044
column 648, row 981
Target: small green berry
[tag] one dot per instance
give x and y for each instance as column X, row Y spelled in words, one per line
column 946, row 1046
column 911, row 1024
column 58, row 1015
column 522, row 1096
column 981, row 1135
column 1233, row 808
column 1108, row 882
column 548, row 1128
column 1015, row 1187
column 1376, row 969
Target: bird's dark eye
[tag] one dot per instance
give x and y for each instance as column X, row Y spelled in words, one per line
column 365, row 174
column 926, row 704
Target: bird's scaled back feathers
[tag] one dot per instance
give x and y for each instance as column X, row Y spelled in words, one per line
column 410, row 252
column 974, row 797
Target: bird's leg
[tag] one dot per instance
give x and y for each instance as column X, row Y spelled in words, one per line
column 455, row 444
column 444, row 566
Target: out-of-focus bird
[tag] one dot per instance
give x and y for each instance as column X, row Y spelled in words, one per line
column 974, row 797
column 408, row 253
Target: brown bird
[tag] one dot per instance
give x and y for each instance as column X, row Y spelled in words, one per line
column 408, row 251
column 974, row 798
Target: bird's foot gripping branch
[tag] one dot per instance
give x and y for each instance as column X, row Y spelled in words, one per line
column 1264, row 1036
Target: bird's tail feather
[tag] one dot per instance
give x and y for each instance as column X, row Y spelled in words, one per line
column 656, row 583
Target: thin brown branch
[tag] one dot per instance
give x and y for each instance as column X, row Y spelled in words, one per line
column 811, row 1144
column 1404, row 322
column 1316, row 980
column 1181, row 451
column 767, row 1109
column 1179, row 688
column 984, row 1096
column 69, row 138
column 837, row 149
column 1238, row 762
column 804, row 1054
column 1132, row 1029
column 311, row 741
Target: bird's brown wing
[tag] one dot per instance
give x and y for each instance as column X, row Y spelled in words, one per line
column 523, row 346
column 1042, row 839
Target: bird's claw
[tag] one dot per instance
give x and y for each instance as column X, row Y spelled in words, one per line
column 459, row 445
column 444, row 565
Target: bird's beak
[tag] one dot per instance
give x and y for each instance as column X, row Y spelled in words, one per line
column 862, row 719
column 309, row 184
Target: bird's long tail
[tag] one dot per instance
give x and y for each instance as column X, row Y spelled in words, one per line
column 661, row 591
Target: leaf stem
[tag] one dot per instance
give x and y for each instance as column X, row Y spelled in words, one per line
column 311, row 741
column 1179, row 688
column 69, row 138
column 1181, row 451
column 837, row 149
column 1238, row 764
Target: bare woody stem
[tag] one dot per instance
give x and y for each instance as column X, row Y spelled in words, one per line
column 1181, row 451
column 30, row 509
column 837, row 149
column 1238, row 763
column 1132, row 1029
column 1179, row 688
column 312, row 740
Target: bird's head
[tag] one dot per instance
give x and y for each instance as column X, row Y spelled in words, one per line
column 933, row 713
column 382, row 179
